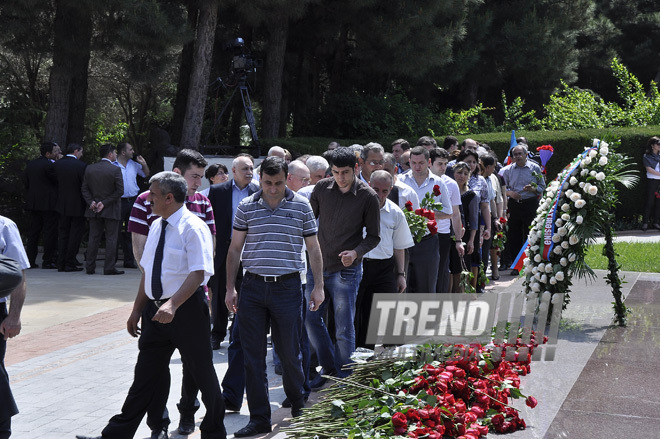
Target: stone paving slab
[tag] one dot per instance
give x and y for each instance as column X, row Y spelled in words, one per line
column 70, row 372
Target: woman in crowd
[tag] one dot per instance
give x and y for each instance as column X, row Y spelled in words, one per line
column 470, row 219
column 216, row 173
column 651, row 161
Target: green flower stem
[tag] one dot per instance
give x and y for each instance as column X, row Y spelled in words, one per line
column 613, row 278
column 497, row 400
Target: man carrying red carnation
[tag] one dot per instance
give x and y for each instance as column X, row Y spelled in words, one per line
column 425, row 255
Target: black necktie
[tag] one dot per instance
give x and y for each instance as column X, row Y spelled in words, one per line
column 156, row 284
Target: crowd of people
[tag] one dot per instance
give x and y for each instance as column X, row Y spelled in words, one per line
column 295, row 248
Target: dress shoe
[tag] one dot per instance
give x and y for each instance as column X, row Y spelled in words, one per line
column 113, row 272
column 160, row 434
column 186, row 424
column 130, row 265
column 80, row 436
column 88, row 271
column 78, row 264
column 215, row 344
column 297, row 411
column 287, row 402
column 515, row 272
column 252, row 430
column 71, row 269
column 49, row 266
column 230, row 407
column 320, row 380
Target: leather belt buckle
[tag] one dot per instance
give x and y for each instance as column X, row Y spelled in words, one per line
column 270, row 279
column 160, row 302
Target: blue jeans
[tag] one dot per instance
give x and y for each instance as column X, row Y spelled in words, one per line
column 340, row 286
column 278, row 306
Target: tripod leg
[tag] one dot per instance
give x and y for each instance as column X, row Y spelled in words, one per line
column 247, row 105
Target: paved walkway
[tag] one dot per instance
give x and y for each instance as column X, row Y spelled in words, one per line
column 73, row 363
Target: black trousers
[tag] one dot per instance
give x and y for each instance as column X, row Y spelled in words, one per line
column 445, row 243
column 220, row 311
column 7, row 404
column 46, row 221
column 69, row 235
column 378, row 276
column 521, row 216
column 652, row 207
column 423, row 265
column 189, row 333
column 125, row 239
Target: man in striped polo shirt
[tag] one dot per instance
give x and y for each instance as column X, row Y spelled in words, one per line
column 190, row 164
column 270, row 227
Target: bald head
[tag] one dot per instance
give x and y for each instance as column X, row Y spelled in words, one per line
column 298, row 176
column 277, row 151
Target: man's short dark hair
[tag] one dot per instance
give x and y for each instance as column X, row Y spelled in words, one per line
column 273, row 165
column 343, row 157
column 186, row 158
column 47, row 148
column 438, row 153
column 405, row 145
column 420, row 150
column 327, row 155
column 171, row 183
column 488, row 160
column 427, row 140
column 121, row 146
column 106, row 149
column 449, row 142
column 73, row 147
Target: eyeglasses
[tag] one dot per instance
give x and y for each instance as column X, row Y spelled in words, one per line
column 376, row 162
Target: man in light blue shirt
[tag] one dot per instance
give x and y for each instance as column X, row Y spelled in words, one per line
column 130, row 169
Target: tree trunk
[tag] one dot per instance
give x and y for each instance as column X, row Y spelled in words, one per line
column 80, row 68
column 270, row 123
column 199, row 78
column 339, row 60
column 183, row 84
column 68, row 77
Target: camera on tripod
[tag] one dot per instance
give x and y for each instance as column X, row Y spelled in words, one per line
column 243, row 59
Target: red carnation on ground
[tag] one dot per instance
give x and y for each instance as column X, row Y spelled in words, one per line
column 531, row 401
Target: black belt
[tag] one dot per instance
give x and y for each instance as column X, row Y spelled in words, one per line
column 375, row 260
column 527, row 200
column 160, row 302
column 129, row 198
column 271, row 279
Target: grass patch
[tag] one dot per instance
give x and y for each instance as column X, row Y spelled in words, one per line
column 633, row 256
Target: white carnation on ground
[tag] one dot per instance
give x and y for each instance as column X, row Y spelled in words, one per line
column 569, row 192
column 604, row 150
column 544, row 279
column 593, row 190
column 579, row 219
column 559, row 276
column 565, row 207
column 573, row 181
column 562, row 231
column 553, row 281
column 580, row 204
column 536, row 287
column 602, row 161
column 564, row 244
column 538, row 258
column 558, row 250
column 548, row 268
column 593, row 153
column 559, row 222
column 600, row 176
column 573, row 240
column 584, row 172
column 586, row 161
column 563, row 262
column 565, row 217
column 575, row 196
column 572, row 257
column 556, row 238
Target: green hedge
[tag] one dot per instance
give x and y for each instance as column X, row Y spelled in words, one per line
column 567, row 144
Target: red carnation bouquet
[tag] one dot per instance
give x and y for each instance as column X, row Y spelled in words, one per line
column 422, row 221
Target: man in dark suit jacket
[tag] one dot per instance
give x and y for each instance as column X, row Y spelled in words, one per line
column 102, row 189
column 224, row 200
column 70, row 171
column 41, row 200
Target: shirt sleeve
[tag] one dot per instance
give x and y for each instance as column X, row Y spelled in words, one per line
column 199, row 250
column 13, row 246
column 444, row 198
column 309, row 222
column 240, row 218
column 210, row 218
column 371, row 218
column 138, row 222
column 402, row 238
